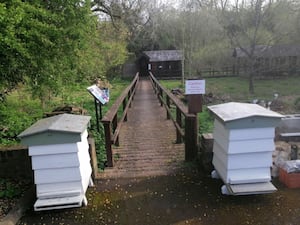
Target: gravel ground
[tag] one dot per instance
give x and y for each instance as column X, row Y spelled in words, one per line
column 187, row 197
column 10, row 193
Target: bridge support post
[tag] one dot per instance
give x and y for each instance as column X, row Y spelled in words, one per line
column 191, row 137
column 179, row 122
column 108, row 142
column 168, row 105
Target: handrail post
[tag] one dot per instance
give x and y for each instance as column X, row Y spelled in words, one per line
column 115, row 124
column 109, row 154
column 124, row 107
column 179, row 122
column 129, row 94
column 168, row 105
column 191, row 137
column 161, row 94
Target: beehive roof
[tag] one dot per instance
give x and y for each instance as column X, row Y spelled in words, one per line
column 236, row 110
column 61, row 123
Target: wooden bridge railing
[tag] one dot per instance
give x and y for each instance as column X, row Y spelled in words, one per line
column 185, row 129
column 112, row 124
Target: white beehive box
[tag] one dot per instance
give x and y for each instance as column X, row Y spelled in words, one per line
column 243, row 145
column 58, row 148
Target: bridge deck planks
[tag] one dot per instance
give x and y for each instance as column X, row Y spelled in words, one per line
column 147, row 140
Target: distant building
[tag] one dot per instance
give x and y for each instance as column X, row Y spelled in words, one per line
column 270, row 60
column 162, row 63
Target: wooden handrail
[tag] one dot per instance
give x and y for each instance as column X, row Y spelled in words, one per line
column 186, row 131
column 112, row 124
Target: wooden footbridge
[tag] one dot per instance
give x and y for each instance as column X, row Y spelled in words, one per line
column 154, row 134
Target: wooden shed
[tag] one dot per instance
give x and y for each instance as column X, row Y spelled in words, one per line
column 162, row 63
column 60, row 158
column 272, row 60
column 243, row 146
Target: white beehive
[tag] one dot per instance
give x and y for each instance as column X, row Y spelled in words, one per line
column 243, row 145
column 58, row 148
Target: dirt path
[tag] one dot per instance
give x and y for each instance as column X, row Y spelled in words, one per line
column 187, row 197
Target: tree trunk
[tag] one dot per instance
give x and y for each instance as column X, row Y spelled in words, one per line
column 251, row 75
column 251, row 84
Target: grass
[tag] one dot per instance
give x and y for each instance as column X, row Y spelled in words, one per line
column 236, row 89
column 20, row 111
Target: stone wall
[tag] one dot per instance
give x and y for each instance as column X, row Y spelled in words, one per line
column 284, row 151
column 206, row 150
column 15, row 163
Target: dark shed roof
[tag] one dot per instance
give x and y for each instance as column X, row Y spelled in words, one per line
column 270, row 51
column 164, row 55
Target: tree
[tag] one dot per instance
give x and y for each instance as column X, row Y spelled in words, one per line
column 131, row 13
column 50, row 44
column 37, row 42
column 251, row 23
column 193, row 28
column 13, row 52
column 282, row 21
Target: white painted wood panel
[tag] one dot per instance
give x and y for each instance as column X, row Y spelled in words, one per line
column 58, row 203
column 53, row 149
column 84, row 136
column 41, row 189
column 241, row 176
column 59, row 148
column 84, row 154
column 55, row 161
column 247, row 160
column 56, row 175
column 60, row 194
column 243, row 134
column 256, row 188
column 252, row 175
column 246, row 146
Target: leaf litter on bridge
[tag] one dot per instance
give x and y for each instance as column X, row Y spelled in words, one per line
column 187, row 197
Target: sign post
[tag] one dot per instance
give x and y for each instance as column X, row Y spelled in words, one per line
column 193, row 90
column 101, row 97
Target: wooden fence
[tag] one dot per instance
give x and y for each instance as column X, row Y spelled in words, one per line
column 186, row 128
column 227, row 71
column 112, row 124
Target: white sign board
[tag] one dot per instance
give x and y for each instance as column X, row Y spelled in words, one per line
column 194, row 87
column 101, row 95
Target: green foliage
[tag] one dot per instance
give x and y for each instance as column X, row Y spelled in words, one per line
column 12, row 50
column 212, row 55
column 16, row 115
column 206, row 121
column 170, row 84
column 297, row 103
column 105, row 51
column 50, row 44
column 20, row 111
column 10, row 190
column 235, row 89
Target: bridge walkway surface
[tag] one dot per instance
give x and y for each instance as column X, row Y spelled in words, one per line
column 147, row 140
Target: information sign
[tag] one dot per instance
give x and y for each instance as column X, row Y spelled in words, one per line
column 102, row 95
column 194, row 87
